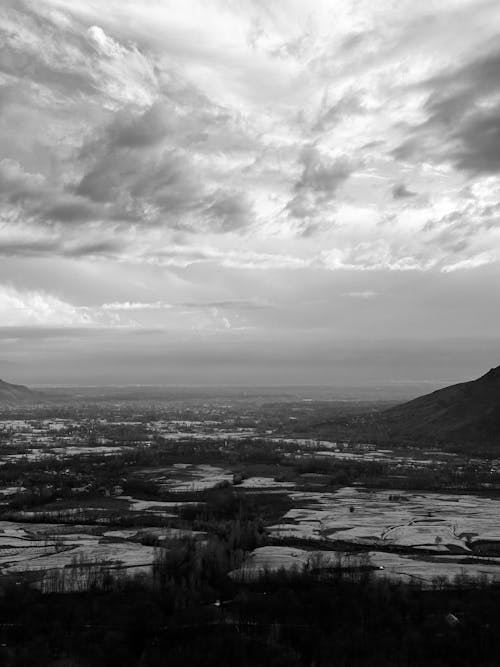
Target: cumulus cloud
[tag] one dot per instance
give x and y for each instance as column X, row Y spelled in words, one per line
column 344, row 108
column 321, row 176
column 34, row 308
column 470, row 263
column 400, row 191
column 102, row 248
column 159, row 166
column 261, row 144
column 28, row 247
column 147, row 129
column 46, row 49
column 68, row 210
column 229, row 211
column 479, row 142
column 462, row 125
column 17, row 184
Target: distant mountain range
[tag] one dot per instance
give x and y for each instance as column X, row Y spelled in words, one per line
column 14, row 394
column 468, row 412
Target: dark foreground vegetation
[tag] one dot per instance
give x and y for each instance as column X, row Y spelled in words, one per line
column 192, row 613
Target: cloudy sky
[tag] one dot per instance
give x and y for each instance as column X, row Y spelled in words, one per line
column 249, row 191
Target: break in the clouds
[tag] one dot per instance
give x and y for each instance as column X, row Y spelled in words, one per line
column 236, row 169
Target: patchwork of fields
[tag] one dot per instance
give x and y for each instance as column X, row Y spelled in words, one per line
column 395, row 533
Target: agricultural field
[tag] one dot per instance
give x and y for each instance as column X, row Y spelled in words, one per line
column 429, row 571
column 40, row 549
column 183, row 477
column 107, row 490
column 435, row 522
column 422, row 535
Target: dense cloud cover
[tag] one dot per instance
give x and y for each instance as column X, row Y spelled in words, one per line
column 249, row 175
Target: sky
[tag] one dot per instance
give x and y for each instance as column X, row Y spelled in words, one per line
column 249, row 192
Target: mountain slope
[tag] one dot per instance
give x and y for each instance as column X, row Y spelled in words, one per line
column 465, row 412
column 13, row 394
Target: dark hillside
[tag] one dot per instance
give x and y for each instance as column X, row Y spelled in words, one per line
column 465, row 412
column 14, row 394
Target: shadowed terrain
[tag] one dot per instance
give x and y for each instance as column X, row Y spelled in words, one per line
column 13, row 394
column 465, row 412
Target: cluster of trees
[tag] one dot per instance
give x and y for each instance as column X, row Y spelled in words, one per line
column 377, row 474
column 193, row 613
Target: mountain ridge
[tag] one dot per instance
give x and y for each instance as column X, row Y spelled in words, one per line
column 14, row 394
column 463, row 412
